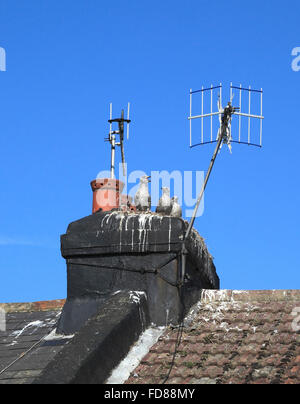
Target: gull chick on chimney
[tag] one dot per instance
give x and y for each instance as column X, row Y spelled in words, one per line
column 176, row 208
column 142, row 198
column 164, row 206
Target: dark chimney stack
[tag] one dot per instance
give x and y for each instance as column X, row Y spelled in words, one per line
column 117, row 249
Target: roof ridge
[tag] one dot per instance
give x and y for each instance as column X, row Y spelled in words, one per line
column 44, row 305
column 227, row 295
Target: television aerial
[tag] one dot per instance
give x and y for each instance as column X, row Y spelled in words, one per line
column 114, row 141
column 224, row 133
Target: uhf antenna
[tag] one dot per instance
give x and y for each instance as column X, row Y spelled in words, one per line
column 113, row 139
column 224, row 134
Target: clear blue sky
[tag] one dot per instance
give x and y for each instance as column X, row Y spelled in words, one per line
column 66, row 60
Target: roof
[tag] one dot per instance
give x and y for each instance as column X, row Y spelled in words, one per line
column 230, row 337
column 31, row 351
column 29, row 343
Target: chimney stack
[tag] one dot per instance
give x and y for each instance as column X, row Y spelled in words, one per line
column 112, row 251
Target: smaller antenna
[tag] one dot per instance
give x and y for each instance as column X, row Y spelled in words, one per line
column 113, row 140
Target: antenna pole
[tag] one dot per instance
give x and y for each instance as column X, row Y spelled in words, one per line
column 121, row 144
column 212, row 162
column 222, row 136
column 113, row 139
column 113, row 154
column 190, row 116
column 184, row 250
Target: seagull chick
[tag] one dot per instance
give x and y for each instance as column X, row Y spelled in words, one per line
column 142, row 198
column 165, row 204
column 176, row 208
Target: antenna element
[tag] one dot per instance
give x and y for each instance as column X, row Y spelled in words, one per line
column 113, row 140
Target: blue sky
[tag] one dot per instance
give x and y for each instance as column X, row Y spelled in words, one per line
column 67, row 60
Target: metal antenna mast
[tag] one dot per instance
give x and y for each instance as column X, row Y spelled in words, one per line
column 224, row 136
column 113, row 140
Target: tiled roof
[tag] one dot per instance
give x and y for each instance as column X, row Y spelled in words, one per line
column 31, row 351
column 239, row 337
column 24, row 352
column 33, row 306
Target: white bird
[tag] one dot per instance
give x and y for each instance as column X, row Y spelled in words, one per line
column 176, row 208
column 142, row 198
column 165, row 204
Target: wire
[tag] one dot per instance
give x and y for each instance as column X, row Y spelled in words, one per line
column 180, row 329
column 25, row 353
column 154, row 270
